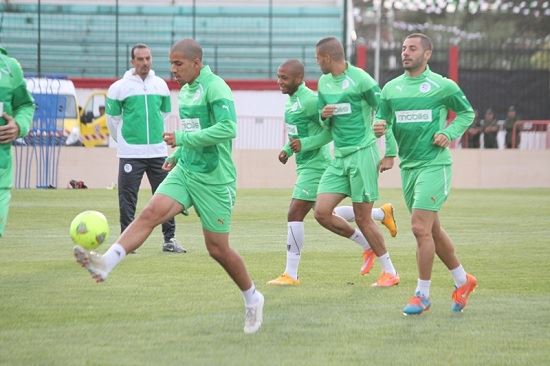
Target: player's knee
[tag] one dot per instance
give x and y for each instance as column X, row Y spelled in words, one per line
column 322, row 216
column 420, row 231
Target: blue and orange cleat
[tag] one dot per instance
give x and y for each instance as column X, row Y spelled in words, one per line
column 417, row 305
column 461, row 294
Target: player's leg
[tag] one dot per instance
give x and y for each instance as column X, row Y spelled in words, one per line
column 159, row 209
column 297, row 211
column 425, row 190
column 214, row 204
column 130, row 173
column 384, row 214
column 363, row 181
column 155, row 175
column 218, row 247
column 170, row 199
column 5, row 193
column 465, row 283
column 303, row 199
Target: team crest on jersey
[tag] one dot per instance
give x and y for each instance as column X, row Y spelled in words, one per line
column 425, row 87
column 345, row 84
column 197, row 96
column 295, row 107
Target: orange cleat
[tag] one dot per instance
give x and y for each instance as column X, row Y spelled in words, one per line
column 461, row 294
column 387, row 280
column 368, row 261
column 389, row 219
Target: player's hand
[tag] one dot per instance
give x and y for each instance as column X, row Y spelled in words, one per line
column 386, row 163
column 169, row 138
column 379, row 128
column 10, row 131
column 328, row 111
column 295, row 145
column 283, row 157
column 168, row 165
column 441, row 140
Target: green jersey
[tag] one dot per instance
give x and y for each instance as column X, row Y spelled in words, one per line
column 208, row 121
column 356, row 96
column 302, row 121
column 416, row 108
column 16, row 101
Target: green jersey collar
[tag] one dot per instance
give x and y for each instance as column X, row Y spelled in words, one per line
column 424, row 74
column 205, row 72
column 299, row 90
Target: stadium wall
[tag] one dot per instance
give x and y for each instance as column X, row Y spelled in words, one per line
column 261, row 169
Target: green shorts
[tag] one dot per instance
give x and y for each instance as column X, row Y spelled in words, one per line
column 306, row 185
column 426, row 188
column 213, row 202
column 355, row 175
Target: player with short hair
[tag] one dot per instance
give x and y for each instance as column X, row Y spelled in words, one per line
column 312, row 158
column 16, row 113
column 202, row 175
column 348, row 98
column 414, row 108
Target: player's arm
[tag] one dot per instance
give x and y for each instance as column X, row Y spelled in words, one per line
column 371, row 94
column 325, row 111
column 316, row 141
column 113, row 111
column 457, row 102
column 224, row 128
column 23, row 103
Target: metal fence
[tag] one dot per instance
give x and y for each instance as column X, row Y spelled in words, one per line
column 239, row 42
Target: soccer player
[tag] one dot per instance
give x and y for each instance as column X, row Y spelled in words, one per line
column 348, row 98
column 202, row 174
column 302, row 122
column 137, row 107
column 414, row 108
column 16, row 112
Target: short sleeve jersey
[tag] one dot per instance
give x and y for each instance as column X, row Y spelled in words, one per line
column 356, row 96
column 416, row 109
column 302, row 120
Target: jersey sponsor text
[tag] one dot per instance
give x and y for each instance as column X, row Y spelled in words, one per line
column 422, row 115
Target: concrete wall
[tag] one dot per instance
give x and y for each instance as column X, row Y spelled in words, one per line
column 261, row 169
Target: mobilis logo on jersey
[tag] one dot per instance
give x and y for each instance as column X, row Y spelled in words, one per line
column 190, row 124
column 423, row 116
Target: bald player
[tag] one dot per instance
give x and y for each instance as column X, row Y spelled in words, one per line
column 308, row 138
column 348, row 98
column 201, row 175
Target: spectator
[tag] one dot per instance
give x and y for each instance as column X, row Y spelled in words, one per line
column 511, row 119
column 490, row 130
column 472, row 135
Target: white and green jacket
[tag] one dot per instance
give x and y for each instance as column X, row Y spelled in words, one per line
column 136, row 110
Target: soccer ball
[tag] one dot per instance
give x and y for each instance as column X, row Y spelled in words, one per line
column 89, row 229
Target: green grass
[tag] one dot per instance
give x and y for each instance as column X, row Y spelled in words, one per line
column 163, row 309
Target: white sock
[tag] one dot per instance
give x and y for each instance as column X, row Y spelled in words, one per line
column 294, row 245
column 251, row 296
column 345, row 212
column 360, row 239
column 292, row 263
column 423, row 287
column 386, row 264
column 459, row 275
column 113, row 256
column 377, row 214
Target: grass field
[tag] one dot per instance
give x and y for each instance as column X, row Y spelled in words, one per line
column 165, row 309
